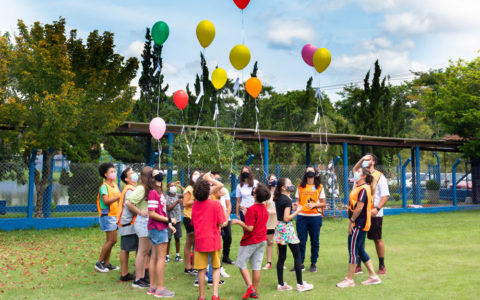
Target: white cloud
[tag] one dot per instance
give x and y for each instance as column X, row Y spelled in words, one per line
column 407, row 23
column 284, row 33
column 169, row 69
column 135, row 49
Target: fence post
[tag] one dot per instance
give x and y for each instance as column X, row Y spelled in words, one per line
column 399, row 172
column 233, row 188
column 265, row 159
column 118, row 173
column 345, row 172
column 182, row 178
column 335, row 161
column 437, row 168
column 148, row 150
column 417, row 176
column 404, row 183
column 31, row 183
column 307, row 154
column 278, row 171
column 170, row 157
column 454, row 181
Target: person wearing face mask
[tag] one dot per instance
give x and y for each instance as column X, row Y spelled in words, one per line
column 358, row 212
column 244, row 192
column 107, row 205
column 311, row 196
column 285, row 234
column 174, row 210
column 380, row 194
column 188, row 200
column 126, row 220
column 272, row 219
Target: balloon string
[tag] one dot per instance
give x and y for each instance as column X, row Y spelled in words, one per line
column 159, row 154
column 218, row 138
column 187, row 144
column 199, row 114
column 257, row 129
column 159, row 81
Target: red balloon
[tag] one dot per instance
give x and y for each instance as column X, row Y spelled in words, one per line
column 181, row 99
column 241, row 3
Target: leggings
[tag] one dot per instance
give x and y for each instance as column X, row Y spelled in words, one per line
column 282, row 256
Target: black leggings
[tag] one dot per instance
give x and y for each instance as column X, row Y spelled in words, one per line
column 282, row 256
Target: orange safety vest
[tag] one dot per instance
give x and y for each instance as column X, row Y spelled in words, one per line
column 127, row 188
column 353, row 202
column 309, row 194
column 113, row 191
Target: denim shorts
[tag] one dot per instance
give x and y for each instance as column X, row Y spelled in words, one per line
column 140, row 226
column 108, row 223
column 158, row 236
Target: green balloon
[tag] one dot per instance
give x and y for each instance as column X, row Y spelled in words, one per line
column 160, row 32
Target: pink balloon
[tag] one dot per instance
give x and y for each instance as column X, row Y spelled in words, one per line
column 307, row 53
column 157, row 128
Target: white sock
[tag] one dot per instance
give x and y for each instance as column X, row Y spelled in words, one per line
column 178, row 254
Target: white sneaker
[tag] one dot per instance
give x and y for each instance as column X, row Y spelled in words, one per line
column 346, row 283
column 284, row 287
column 223, row 273
column 304, row 287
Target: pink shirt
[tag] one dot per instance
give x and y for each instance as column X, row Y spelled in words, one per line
column 158, row 204
column 207, row 216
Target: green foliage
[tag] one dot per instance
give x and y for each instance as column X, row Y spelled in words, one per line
column 432, row 185
column 86, row 180
column 396, row 197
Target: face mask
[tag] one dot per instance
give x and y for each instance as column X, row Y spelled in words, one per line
column 195, row 177
column 356, row 176
column 272, row 183
column 158, row 177
column 134, row 177
column 245, row 175
column 173, row 190
column 291, row 188
column 112, row 176
column 310, row 174
column 366, row 164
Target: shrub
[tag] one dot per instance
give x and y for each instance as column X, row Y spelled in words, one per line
column 432, row 185
column 396, row 197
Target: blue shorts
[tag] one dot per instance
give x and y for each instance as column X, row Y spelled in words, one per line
column 158, row 236
column 108, row 223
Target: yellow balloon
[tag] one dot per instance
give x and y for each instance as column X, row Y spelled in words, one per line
column 219, row 78
column 239, row 56
column 321, row 59
column 205, row 33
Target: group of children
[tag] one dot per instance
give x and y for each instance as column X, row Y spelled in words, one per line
column 147, row 217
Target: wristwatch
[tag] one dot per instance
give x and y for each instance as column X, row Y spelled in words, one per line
column 376, row 207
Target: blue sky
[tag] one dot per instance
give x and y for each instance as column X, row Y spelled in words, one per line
column 403, row 35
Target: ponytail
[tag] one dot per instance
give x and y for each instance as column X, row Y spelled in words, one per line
column 368, row 176
column 278, row 188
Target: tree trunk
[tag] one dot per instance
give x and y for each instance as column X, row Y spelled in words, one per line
column 42, row 182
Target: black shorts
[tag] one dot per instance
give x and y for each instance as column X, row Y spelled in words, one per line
column 129, row 242
column 375, row 232
column 187, row 222
column 178, row 232
column 270, row 231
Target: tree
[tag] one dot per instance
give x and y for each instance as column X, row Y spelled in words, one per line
column 65, row 94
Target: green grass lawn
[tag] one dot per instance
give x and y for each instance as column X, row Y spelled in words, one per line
column 428, row 257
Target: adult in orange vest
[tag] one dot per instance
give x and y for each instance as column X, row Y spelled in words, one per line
column 311, row 196
column 107, row 206
column 380, row 195
column 126, row 219
column 359, row 223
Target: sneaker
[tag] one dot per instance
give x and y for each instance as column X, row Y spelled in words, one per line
column 358, row 270
column 178, row 258
column 223, row 273
column 200, row 298
column 304, row 287
column 228, row 261
column 188, row 272
column 164, row 293
column 250, row 293
column 167, row 259
column 194, row 272
column 146, row 280
column 195, row 283
column 128, row 277
column 215, row 297
column 221, row 282
column 313, row 268
column 293, row 269
column 346, row 283
column 382, row 270
column 140, row 284
column 112, row 267
column 100, row 267
column 372, row 280
column 284, row 287
column 151, row 291
column 268, row 266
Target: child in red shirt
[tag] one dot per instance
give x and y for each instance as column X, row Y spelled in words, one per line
column 254, row 240
column 207, row 218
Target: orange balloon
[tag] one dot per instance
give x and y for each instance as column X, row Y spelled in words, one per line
column 253, row 87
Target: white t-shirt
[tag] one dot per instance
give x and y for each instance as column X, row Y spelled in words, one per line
column 380, row 191
column 245, row 194
column 223, row 201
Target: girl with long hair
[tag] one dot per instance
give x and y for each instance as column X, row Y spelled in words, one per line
column 244, row 192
